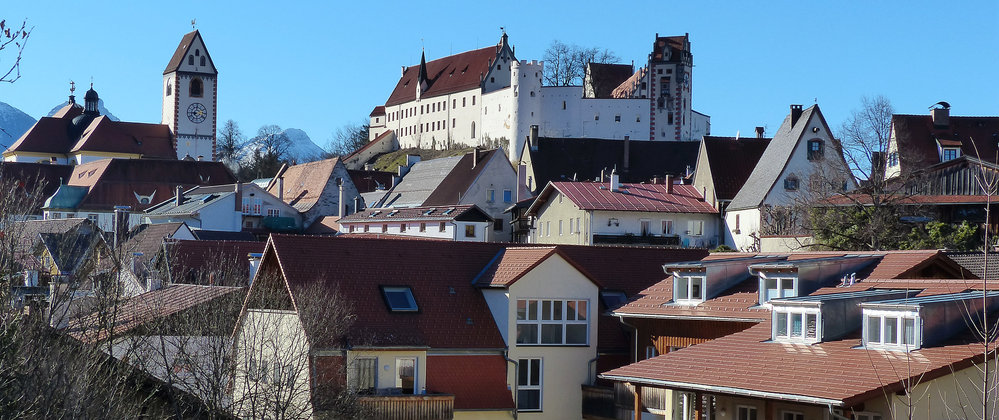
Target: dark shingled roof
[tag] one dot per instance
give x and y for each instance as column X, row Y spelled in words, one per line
column 181, row 52
column 368, row 181
column 604, row 78
column 559, row 159
column 454, row 73
column 216, row 263
column 30, row 176
column 917, row 138
column 731, row 161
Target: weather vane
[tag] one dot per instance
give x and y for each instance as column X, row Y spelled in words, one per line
column 503, row 29
column 193, row 23
column 72, row 87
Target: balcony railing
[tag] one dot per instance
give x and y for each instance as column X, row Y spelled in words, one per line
column 637, row 240
column 409, row 407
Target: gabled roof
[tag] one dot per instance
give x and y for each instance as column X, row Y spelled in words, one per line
column 147, row 140
column 630, row 197
column 148, row 239
column 114, row 182
column 211, row 262
column 378, row 111
column 305, row 183
column 776, row 157
column 420, row 183
column 565, row 159
column 158, row 304
column 69, row 251
column 192, row 201
column 917, row 137
column 467, row 212
column 605, row 77
column 48, row 135
column 627, row 88
column 849, row 375
column 511, row 264
column 326, row 225
column 222, row 235
column 181, row 52
column 454, row 73
column 731, row 160
column 432, row 269
column 461, row 177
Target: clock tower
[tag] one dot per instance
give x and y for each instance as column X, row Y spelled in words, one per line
column 190, row 98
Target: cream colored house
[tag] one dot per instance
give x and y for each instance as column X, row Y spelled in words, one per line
column 546, row 309
column 590, row 213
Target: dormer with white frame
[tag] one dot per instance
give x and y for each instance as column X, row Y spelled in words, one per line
column 817, row 318
column 697, row 281
column 948, row 149
column 913, row 323
column 784, row 279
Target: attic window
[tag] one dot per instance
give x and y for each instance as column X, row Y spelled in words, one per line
column 448, row 211
column 891, row 330
column 777, row 287
column 949, row 153
column 796, row 325
column 374, row 213
column 688, row 290
column 791, row 183
column 399, row 298
column 613, row 299
column 816, row 149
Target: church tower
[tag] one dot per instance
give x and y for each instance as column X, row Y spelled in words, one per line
column 190, row 98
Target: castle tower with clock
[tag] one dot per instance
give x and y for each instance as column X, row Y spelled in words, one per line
column 190, row 98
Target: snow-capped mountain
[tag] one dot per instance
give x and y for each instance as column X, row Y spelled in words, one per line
column 298, row 146
column 100, row 107
column 13, row 123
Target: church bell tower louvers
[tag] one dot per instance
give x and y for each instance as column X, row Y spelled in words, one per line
column 190, row 99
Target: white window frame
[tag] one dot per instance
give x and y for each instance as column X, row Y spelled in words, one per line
column 779, row 279
column 696, row 228
column 668, row 227
column 539, row 387
column 795, row 415
column 788, row 317
column 355, row 381
column 900, row 317
column 538, row 321
column 749, row 409
column 688, row 280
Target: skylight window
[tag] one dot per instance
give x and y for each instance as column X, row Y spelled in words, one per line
column 399, row 299
column 393, row 213
column 374, row 213
column 613, row 299
column 429, row 212
column 448, row 211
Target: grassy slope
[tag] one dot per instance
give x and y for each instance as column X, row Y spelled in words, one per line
column 391, row 161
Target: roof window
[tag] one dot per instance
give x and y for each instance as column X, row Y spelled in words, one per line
column 688, row 289
column 399, row 298
column 448, row 211
column 613, row 299
column 393, row 213
column 374, row 213
column 429, row 212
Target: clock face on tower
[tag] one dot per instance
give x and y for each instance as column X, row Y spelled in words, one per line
column 197, row 113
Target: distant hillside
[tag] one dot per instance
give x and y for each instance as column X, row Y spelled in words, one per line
column 13, row 124
column 100, row 107
column 392, row 160
column 300, row 147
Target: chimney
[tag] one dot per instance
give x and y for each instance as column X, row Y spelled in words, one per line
column 614, row 183
column 238, row 202
column 120, row 228
column 179, row 198
column 669, row 184
column 357, row 204
column 759, row 132
column 280, row 187
column 795, row 114
column 941, row 117
column 533, row 139
column 254, row 258
column 475, row 157
column 521, row 180
column 342, row 207
column 627, row 152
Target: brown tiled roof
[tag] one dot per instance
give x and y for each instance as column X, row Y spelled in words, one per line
column 835, row 372
column 630, row 197
column 677, row 43
column 864, row 199
column 158, row 304
column 147, row 140
column 454, row 73
column 606, row 77
column 467, row 212
column 113, row 182
column 304, row 183
column 48, row 135
column 513, row 263
column 432, row 269
column 211, row 262
column 181, row 52
column 148, row 239
column 461, row 177
column 326, row 225
column 483, row 390
column 627, row 88
column 731, row 161
column 36, row 175
column 379, row 110
column 368, row 181
column 917, row 137
column 69, row 111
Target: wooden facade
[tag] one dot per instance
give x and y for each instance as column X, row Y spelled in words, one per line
column 667, row 334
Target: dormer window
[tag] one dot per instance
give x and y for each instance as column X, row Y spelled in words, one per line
column 777, row 287
column 891, row 330
column 949, row 153
column 816, row 149
column 796, row 325
column 399, row 299
column 688, row 289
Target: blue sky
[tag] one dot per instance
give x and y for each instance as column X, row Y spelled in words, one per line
column 319, row 65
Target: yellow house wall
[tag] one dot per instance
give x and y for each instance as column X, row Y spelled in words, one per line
column 558, row 208
column 564, row 368
column 276, row 337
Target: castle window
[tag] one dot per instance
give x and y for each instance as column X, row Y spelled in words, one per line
column 169, row 90
column 197, row 88
column 492, row 80
column 473, row 100
column 190, row 60
column 596, row 117
column 454, row 103
column 791, row 183
column 617, row 118
column 499, row 67
column 202, row 60
column 464, row 101
column 197, row 52
column 473, row 129
column 563, row 104
column 670, row 118
column 454, row 122
column 815, row 149
column 532, row 93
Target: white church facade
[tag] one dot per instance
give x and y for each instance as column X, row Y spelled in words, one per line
column 487, row 97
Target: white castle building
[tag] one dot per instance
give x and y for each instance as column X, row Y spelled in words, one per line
column 486, row 97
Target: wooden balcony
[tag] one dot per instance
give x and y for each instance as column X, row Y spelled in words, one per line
column 408, row 407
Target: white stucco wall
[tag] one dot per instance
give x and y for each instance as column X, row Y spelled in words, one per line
column 274, row 337
column 749, row 229
column 498, row 176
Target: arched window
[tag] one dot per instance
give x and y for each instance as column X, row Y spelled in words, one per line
column 169, row 89
column 202, row 60
column 473, row 129
column 197, row 88
column 190, row 60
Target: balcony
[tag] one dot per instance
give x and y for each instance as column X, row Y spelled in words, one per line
column 631, row 239
column 408, row 407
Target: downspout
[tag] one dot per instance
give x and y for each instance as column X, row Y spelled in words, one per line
column 634, row 330
column 589, row 369
column 834, row 415
column 516, row 371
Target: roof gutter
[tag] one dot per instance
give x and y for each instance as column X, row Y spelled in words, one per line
column 728, row 390
column 686, row 317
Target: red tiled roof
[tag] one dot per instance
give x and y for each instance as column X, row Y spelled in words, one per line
column 628, row 86
column 834, row 371
column 326, row 225
column 147, row 140
column 113, row 182
column 511, row 264
column 454, row 73
column 631, row 197
column 211, row 262
column 48, row 135
column 605, row 77
column 379, row 110
column 731, row 161
column 305, row 183
column 147, row 307
column 477, row 382
column 31, row 176
column 432, row 269
column 69, row 111
column 863, row 199
column 181, row 51
column 917, row 137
